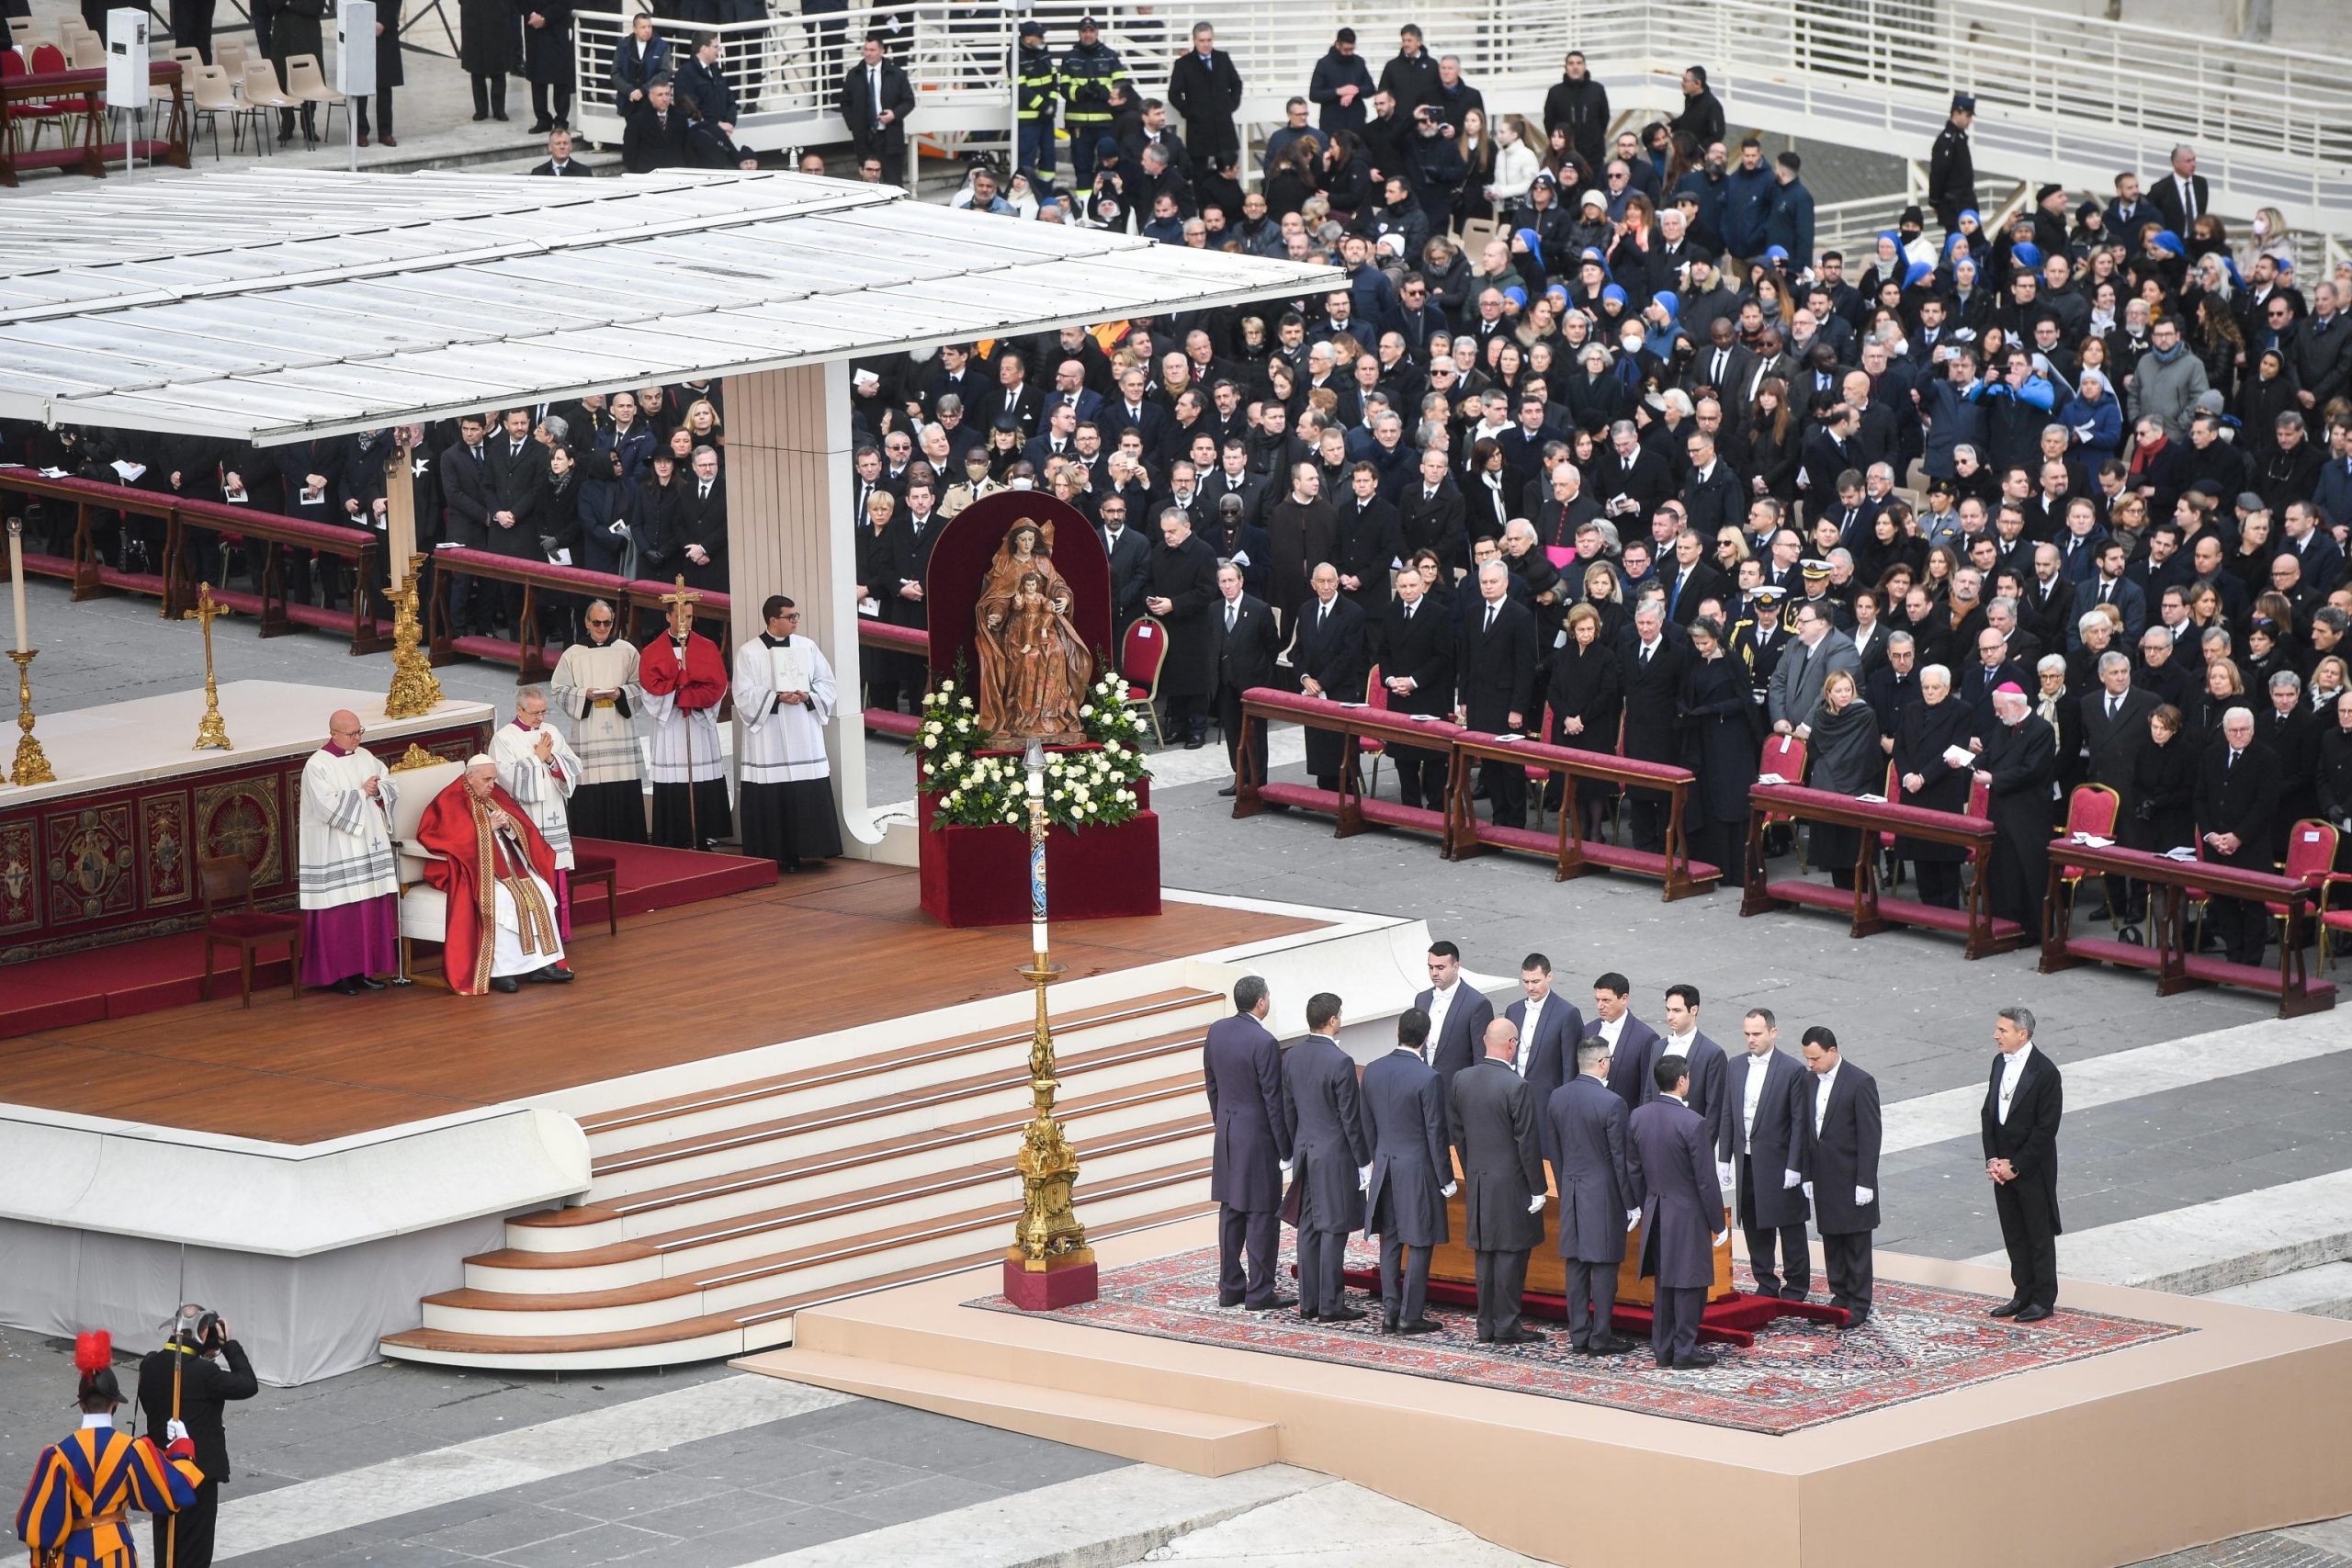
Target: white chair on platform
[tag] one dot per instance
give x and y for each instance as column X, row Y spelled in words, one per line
column 425, row 908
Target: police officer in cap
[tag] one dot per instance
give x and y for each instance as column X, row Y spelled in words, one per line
column 184, row 1381
column 1952, row 166
column 1757, row 641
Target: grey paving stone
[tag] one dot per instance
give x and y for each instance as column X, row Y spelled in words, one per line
column 759, row 1538
column 600, row 1544
column 718, row 1514
column 828, row 1484
column 518, row 1524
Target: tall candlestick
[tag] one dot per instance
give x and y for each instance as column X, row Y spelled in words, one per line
column 16, row 580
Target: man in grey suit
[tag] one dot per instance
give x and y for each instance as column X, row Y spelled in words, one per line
column 1634, row 1046
column 1330, row 1158
column 1584, row 1137
column 1413, row 1173
column 1494, row 1126
column 1673, row 1166
column 1458, row 1013
column 1819, row 651
column 1766, row 1102
column 2115, row 731
column 1709, row 1067
column 1242, row 1065
column 1550, row 1029
column 1843, row 1131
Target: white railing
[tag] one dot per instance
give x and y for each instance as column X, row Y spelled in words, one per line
column 2061, row 95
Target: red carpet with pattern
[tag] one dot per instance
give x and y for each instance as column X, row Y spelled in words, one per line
column 1919, row 1341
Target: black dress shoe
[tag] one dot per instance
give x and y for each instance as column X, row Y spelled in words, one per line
column 2032, row 1314
column 1306, row 1316
column 1195, row 743
column 498, row 114
column 504, row 984
column 349, row 985
column 2009, row 1308
column 550, row 975
column 1522, row 1335
column 478, row 117
column 1697, row 1361
column 1388, row 1324
column 1420, row 1325
column 1271, row 1303
column 1854, row 1320
column 1227, row 792
column 1224, row 1301
column 1345, row 1314
column 368, row 982
column 1613, row 1346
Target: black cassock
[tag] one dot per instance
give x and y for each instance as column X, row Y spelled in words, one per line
column 2021, row 758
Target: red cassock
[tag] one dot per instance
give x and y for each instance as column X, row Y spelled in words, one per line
column 464, row 866
column 701, row 684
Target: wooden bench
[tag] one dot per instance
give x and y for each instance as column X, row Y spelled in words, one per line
column 1873, row 911
column 1352, row 722
column 84, row 149
column 1571, row 853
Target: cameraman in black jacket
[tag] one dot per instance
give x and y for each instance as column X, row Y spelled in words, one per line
column 184, row 1382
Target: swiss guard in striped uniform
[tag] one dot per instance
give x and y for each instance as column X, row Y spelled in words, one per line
column 76, row 1510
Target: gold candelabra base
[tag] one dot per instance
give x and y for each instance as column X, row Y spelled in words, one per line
column 1049, row 1236
column 417, row 691
column 211, row 735
column 32, row 763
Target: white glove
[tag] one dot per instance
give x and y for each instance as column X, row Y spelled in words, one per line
column 1719, row 1238
column 1864, row 1195
column 1788, row 1179
column 173, row 1431
column 1286, row 1165
column 1724, row 1172
column 1633, row 1218
column 1364, row 1179
column 1808, row 1191
column 1535, row 1204
column 1447, row 1191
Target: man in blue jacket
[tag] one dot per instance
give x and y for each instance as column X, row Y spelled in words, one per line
column 1788, row 215
column 1747, row 197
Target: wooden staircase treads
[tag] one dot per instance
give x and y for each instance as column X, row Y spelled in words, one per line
column 586, row 1258
column 891, row 1104
column 952, row 1132
column 1003, row 1212
column 833, row 1072
column 448, row 1342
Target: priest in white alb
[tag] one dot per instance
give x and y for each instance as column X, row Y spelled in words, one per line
column 540, row 771
column 595, row 688
column 783, row 698
column 348, row 881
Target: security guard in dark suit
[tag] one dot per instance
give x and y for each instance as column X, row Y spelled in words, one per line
column 1245, row 658
column 184, row 1381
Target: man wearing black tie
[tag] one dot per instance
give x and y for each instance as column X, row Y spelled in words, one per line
column 2023, row 1104
column 1653, row 726
column 873, row 101
column 1417, row 668
column 2180, row 198
column 1245, row 658
column 1497, row 666
column 2237, row 795
column 559, row 162
column 1329, row 655
column 912, row 537
column 1130, row 556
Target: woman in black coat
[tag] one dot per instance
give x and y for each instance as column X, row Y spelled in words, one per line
column 1586, row 695
column 1926, row 729
column 299, row 28
column 1719, row 747
column 2164, row 782
column 1845, row 758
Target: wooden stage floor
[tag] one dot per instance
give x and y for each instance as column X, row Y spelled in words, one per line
column 826, row 950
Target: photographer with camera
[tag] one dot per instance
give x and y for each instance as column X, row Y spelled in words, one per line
column 182, row 1389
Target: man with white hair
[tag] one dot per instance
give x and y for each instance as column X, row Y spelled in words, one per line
column 2238, row 785
column 498, row 874
column 540, row 771
column 348, row 885
column 595, row 686
column 1496, row 665
column 2018, row 761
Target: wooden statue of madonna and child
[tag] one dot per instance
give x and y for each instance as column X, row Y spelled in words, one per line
column 1035, row 668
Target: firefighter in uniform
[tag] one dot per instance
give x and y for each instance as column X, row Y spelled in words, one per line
column 186, row 1382
column 1086, row 74
column 1038, row 77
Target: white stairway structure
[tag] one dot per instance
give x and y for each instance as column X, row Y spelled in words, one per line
column 2060, row 94
column 712, row 1216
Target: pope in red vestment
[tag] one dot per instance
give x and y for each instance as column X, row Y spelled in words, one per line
column 483, row 844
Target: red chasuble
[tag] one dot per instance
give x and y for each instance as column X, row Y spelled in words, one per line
column 468, row 863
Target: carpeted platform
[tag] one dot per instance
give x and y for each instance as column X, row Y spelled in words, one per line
column 1921, row 1340
column 164, row 972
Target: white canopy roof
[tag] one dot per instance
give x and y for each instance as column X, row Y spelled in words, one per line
column 270, row 307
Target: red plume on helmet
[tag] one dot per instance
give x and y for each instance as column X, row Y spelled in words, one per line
column 92, row 1352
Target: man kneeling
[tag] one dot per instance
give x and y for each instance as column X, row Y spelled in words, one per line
column 499, row 875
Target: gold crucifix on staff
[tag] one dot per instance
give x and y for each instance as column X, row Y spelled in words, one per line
column 211, row 734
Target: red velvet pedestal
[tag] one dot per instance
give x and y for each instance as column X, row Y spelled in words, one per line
column 979, row 876
column 1049, row 1290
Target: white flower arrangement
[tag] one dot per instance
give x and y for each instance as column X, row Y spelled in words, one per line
column 1099, row 784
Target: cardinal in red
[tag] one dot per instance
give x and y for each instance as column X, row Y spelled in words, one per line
column 500, row 877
